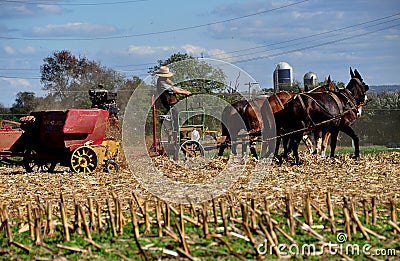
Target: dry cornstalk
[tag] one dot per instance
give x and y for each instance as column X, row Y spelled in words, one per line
column 205, row 220
column 30, row 221
column 394, row 225
column 307, row 212
column 393, row 213
column 215, row 213
column 112, row 220
column 91, row 214
column 158, row 217
column 121, row 219
column 99, row 218
column 135, row 224
column 253, row 218
column 374, row 234
column 330, row 212
column 38, row 226
column 90, row 241
column 269, row 239
column 243, row 208
column 7, row 225
column 78, row 220
column 185, row 254
column 64, row 220
column 232, row 252
column 116, row 207
column 167, row 216
column 223, row 216
column 347, row 222
column 251, row 238
column 85, row 224
column 270, row 227
column 308, row 229
column 138, row 203
column 147, row 225
column 182, row 219
column 290, row 213
column 50, row 222
column 374, row 211
column 182, row 237
column 366, row 212
column 356, row 220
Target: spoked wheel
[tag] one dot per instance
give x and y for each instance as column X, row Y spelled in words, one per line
column 83, row 160
column 37, row 165
column 191, row 149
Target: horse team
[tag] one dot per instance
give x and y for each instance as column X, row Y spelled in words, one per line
column 289, row 116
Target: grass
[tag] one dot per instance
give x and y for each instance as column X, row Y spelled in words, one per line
column 364, row 150
column 124, row 246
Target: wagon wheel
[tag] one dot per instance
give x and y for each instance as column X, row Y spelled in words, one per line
column 191, row 149
column 37, row 165
column 111, row 166
column 83, row 160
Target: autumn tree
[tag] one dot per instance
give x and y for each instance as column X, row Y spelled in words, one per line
column 68, row 79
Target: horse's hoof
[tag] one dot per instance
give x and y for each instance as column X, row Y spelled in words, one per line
column 355, row 157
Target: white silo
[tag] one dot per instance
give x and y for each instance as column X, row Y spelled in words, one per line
column 310, row 81
column 283, row 76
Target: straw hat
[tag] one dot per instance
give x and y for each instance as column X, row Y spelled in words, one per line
column 164, row 72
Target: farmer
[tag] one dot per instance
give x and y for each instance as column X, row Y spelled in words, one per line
column 166, row 90
column 167, row 94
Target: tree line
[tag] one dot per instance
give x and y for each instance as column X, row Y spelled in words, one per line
column 67, row 78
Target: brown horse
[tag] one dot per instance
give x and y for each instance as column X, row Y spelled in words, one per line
column 327, row 111
column 320, row 137
column 244, row 114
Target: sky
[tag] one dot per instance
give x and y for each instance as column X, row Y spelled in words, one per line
column 325, row 37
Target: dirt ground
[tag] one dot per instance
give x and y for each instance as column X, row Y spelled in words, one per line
column 373, row 175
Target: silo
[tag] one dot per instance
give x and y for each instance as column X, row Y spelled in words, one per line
column 310, row 81
column 283, row 76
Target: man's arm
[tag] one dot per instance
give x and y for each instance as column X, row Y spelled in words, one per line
column 179, row 90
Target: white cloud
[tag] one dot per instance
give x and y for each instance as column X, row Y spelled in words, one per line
column 193, row 50
column 50, row 9
column 26, row 50
column 73, row 28
column 9, row 50
column 148, row 50
column 16, row 82
column 22, row 10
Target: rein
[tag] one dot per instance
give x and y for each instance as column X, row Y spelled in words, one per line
column 343, row 92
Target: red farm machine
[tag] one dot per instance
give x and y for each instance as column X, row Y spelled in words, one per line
column 74, row 137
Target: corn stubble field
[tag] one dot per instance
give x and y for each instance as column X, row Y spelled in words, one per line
column 69, row 216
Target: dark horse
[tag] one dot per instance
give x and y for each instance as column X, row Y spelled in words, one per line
column 244, row 114
column 331, row 112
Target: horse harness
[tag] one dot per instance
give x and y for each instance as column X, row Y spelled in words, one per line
column 343, row 92
column 279, row 100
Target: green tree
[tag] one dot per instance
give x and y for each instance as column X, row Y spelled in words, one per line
column 4, row 112
column 204, row 78
column 125, row 91
column 25, row 102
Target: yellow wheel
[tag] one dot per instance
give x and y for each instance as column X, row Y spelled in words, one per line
column 191, row 149
column 83, row 160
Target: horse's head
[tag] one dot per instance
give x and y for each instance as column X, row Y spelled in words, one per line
column 358, row 89
column 328, row 84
